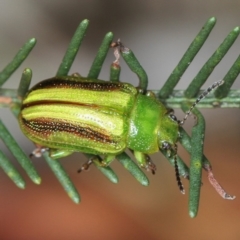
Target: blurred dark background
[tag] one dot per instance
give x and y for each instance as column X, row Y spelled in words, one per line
column 158, row 32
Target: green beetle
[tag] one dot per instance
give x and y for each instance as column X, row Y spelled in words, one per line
column 75, row 114
column 98, row 117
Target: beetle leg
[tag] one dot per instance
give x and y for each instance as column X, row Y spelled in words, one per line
column 38, row 151
column 97, row 160
column 145, row 162
column 87, row 164
column 59, row 153
column 107, row 159
column 53, row 153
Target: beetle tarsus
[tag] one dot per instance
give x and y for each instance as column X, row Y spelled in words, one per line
column 85, row 166
column 38, row 151
column 151, row 166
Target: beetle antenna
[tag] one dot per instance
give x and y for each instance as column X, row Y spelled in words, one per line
column 179, row 182
column 202, row 96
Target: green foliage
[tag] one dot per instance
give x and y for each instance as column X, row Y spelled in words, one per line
column 179, row 99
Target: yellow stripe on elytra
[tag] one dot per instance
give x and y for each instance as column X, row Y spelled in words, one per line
column 121, row 101
column 82, row 115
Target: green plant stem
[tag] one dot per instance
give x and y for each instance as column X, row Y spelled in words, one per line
column 115, row 71
column 73, row 49
column 17, row 61
column 24, row 83
column 229, row 79
column 18, row 153
column 100, row 57
column 185, row 140
column 106, row 171
column 63, row 178
column 177, row 98
column 8, row 97
column 212, row 62
column 11, row 171
column 133, row 168
column 136, row 67
column 187, row 58
column 196, row 161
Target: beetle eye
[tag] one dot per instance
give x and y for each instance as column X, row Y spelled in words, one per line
column 173, row 117
column 166, row 146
